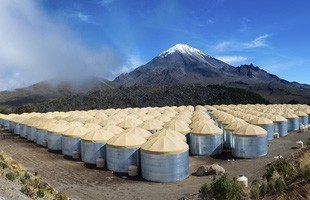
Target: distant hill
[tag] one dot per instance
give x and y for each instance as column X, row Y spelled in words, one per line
column 179, row 75
column 182, row 64
column 53, row 89
column 144, row 96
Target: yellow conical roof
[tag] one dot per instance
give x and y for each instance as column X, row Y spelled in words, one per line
column 250, row 130
column 179, row 126
column 206, row 129
column 152, row 124
column 58, row 128
column 138, row 131
column 113, row 129
column 200, row 123
column 235, row 125
column 301, row 114
column 278, row 118
column 164, row 145
column 97, row 136
column 171, row 132
column 290, row 115
column 92, row 126
column 261, row 121
column 126, row 140
column 130, row 123
column 77, row 132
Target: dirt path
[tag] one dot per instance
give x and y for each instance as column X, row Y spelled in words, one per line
column 80, row 182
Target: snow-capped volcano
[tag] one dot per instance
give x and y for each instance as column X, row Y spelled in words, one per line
column 184, row 49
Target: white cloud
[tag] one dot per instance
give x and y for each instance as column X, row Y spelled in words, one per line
column 260, row 41
column 35, row 48
column 82, row 16
column 232, row 59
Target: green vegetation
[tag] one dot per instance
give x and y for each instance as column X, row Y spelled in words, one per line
column 31, row 184
column 285, row 178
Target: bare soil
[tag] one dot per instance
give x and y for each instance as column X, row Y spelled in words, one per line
column 79, row 181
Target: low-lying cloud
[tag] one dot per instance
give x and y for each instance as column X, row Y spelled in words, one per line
column 35, row 47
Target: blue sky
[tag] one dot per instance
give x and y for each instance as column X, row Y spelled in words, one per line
column 43, row 39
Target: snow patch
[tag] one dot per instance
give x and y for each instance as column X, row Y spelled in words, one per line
column 184, row 49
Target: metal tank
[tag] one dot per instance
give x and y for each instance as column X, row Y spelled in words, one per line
column 93, row 145
column 303, row 117
column 160, row 163
column 250, row 141
column 266, row 124
column 71, row 139
column 228, row 130
column 292, row 121
column 206, row 140
column 280, row 125
column 32, row 134
column 54, row 136
column 123, row 151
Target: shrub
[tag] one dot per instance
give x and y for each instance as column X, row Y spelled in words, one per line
column 61, row 196
column 224, row 189
column 305, row 171
column 263, row 188
column 27, row 190
column 255, row 191
column 204, row 188
column 22, row 180
column 288, row 170
column 26, row 176
column 280, row 185
column 4, row 165
column 10, row 176
column 40, row 193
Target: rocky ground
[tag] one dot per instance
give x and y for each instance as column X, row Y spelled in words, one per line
column 83, row 182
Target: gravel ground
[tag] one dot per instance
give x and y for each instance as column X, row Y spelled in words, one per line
column 82, row 182
column 10, row 191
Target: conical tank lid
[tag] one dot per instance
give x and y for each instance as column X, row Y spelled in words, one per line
column 171, row 132
column 126, row 140
column 261, row 121
column 130, row 123
column 290, row 115
column 152, row 124
column 92, row 126
column 250, row 130
column 97, row 136
column 76, row 132
column 113, row 129
column 235, row 125
column 139, row 131
column 301, row 114
column 164, row 145
column 206, row 129
column 278, row 118
column 179, row 126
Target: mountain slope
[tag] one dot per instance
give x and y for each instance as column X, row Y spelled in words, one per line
column 53, row 89
column 185, row 65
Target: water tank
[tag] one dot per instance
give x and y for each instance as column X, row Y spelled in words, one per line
column 303, row 117
column 228, row 129
column 292, row 121
column 266, row 124
column 250, row 141
column 206, row 140
column 93, row 145
column 71, row 139
column 165, row 159
column 122, row 151
column 280, row 125
column 54, row 136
